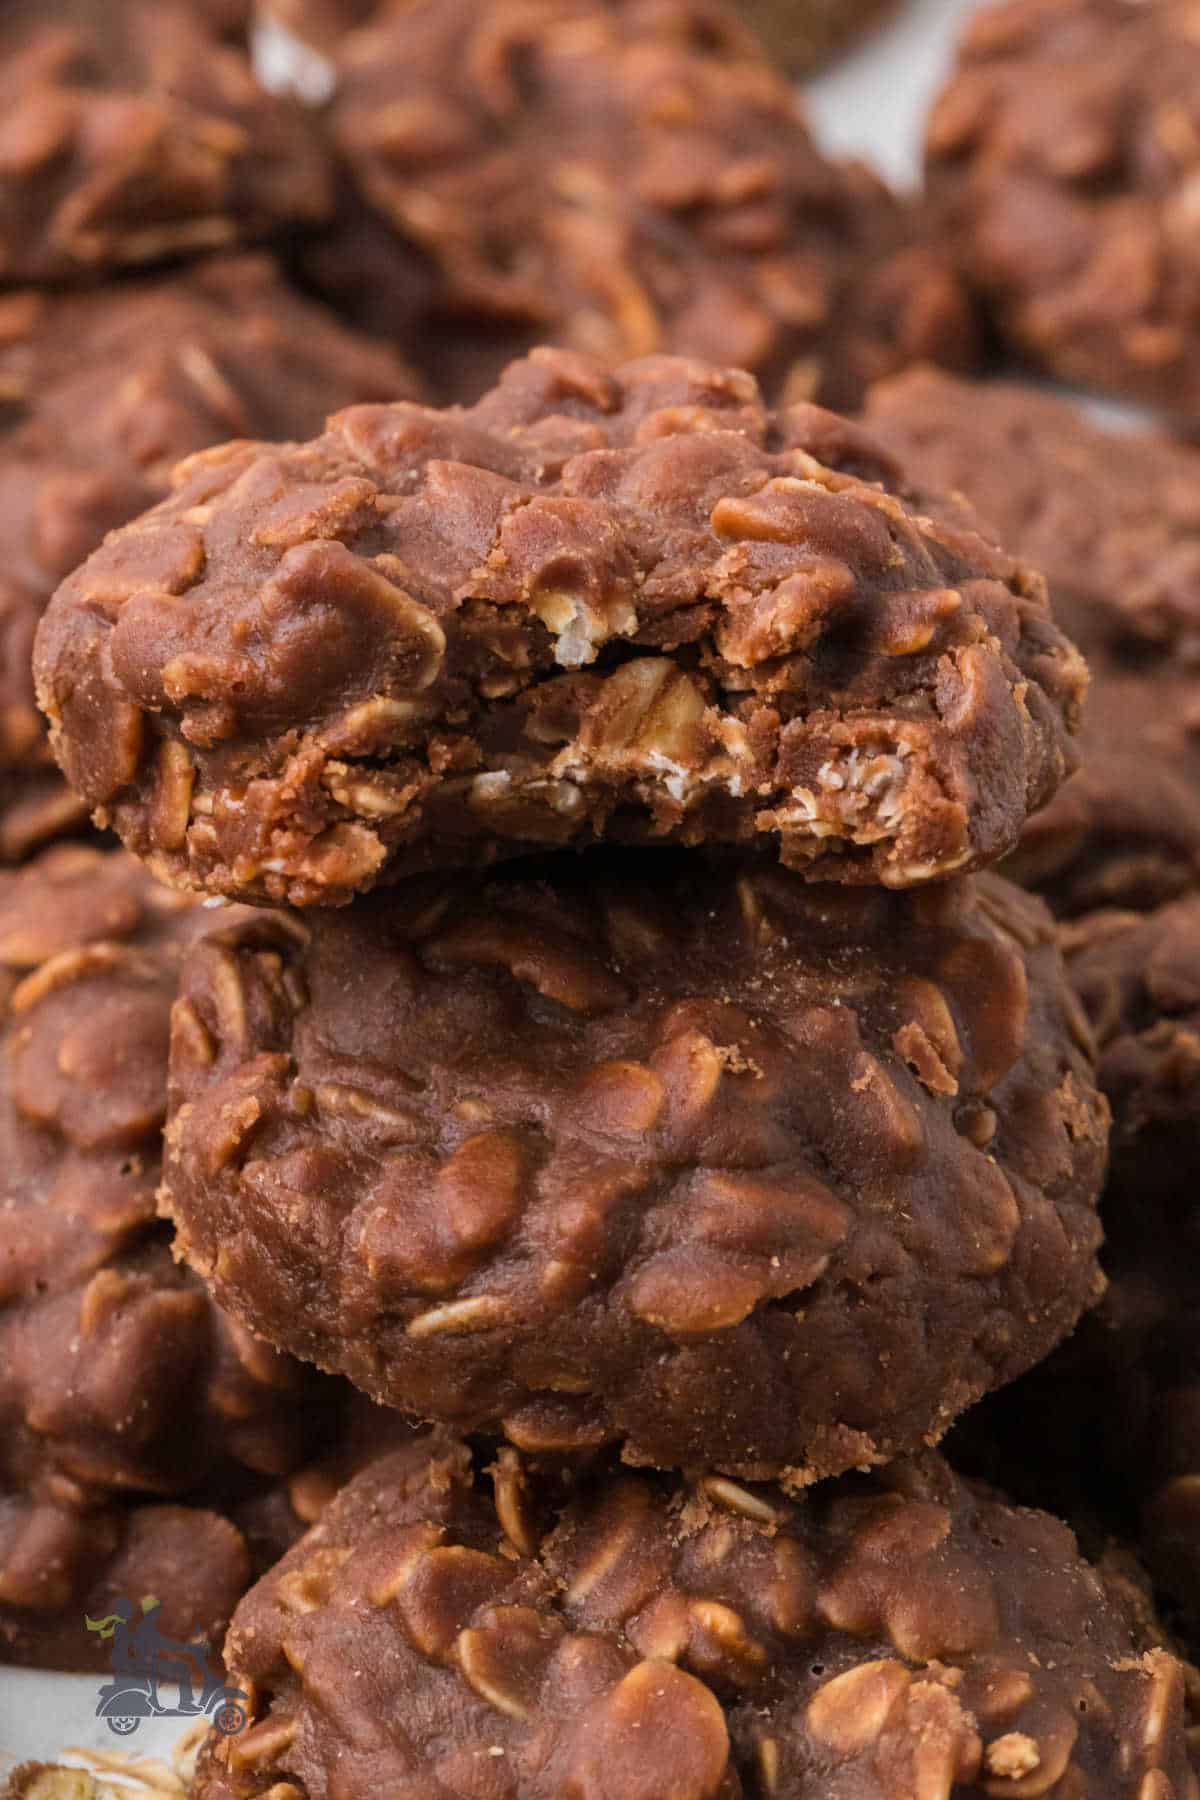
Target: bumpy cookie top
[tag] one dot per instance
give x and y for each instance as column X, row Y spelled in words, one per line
column 633, row 606
column 116, row 1370
column 749, row 1172
column 632, row 177
column 1113, row 521
column 132, row 133
column 896, row 1636
column 1065, row 153
column 61, row 1563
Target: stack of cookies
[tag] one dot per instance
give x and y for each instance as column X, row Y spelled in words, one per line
column 552, row 1115
column 624, row 1066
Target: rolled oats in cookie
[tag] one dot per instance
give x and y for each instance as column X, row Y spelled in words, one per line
column 737, row 1170
column 136, row 1417
column 100, row 395
column 621, row 178
column 354, row 1432
column 1064, row 157
column 132, row 133
column 1113, row 521
column 635, row 606
column 455, row 1628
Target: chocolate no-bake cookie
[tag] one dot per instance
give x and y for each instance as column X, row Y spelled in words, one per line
column 631, row 606
column 453, row 1630
column 145, row 371
column 1113, row 521
column 1112, row 518
column 116, row 1371
column 622, row 178
column 747, row 1172
column 232, row 18
column 131, row 133
column 1124, row 1395
column 1064, row 156
column 100, row 394
column 120, row 1380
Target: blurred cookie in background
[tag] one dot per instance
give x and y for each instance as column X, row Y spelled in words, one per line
column 133, row 133
column 1064, row 158
column 799, row 34
column 1113, row 521
column 36, row 808
column 319, row 24
column 619, row 179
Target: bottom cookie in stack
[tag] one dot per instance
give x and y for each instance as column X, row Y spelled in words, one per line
column 134, row 1414
column 455, row 1629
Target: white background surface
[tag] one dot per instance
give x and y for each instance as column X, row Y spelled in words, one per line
column 872, row 105
column 40, row 1715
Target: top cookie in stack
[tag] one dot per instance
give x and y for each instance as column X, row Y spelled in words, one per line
column 628, row 607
